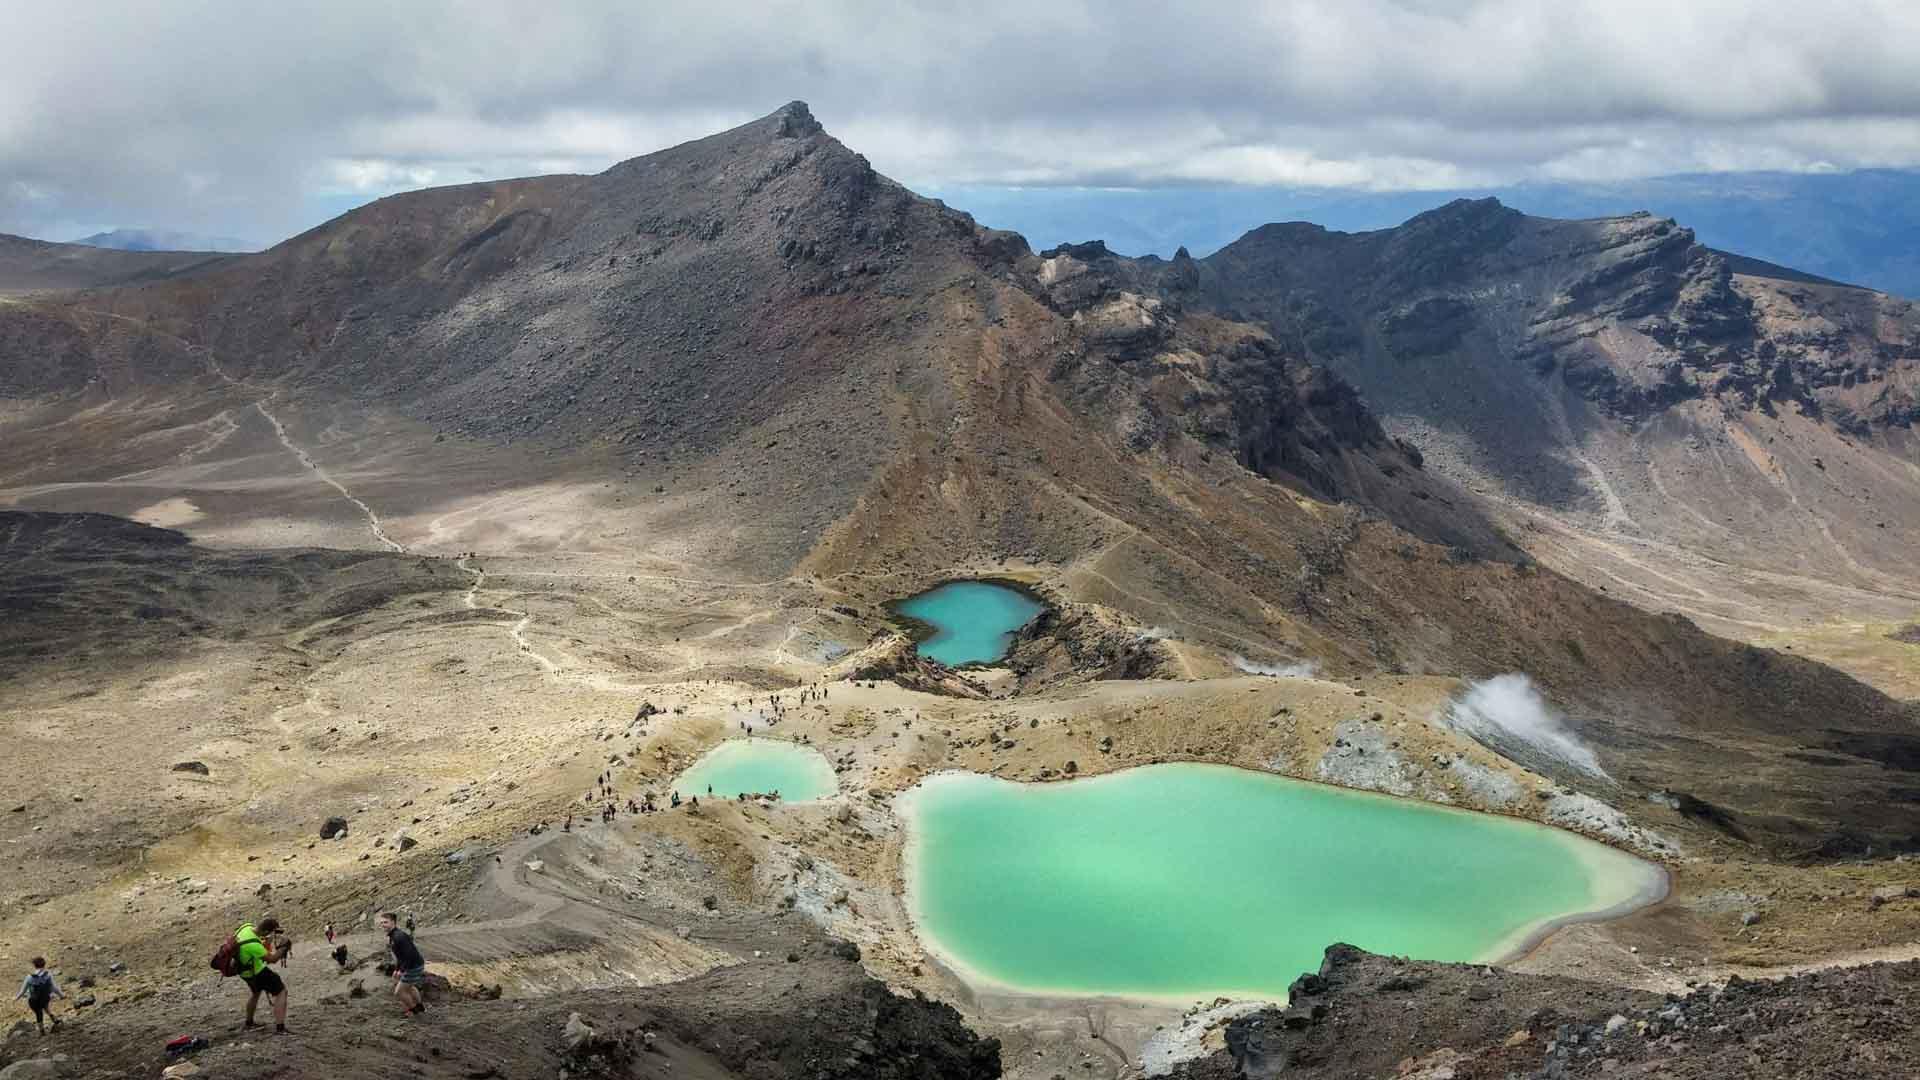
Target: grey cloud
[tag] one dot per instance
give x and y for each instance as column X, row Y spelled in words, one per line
column 233, row 117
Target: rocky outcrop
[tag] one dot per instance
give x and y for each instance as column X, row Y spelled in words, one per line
column 1076, row 642
column 1363, row 1015
column 891, row 657
column 1146, row 360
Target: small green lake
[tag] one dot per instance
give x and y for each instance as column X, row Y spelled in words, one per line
column 759, row 767
column 1186, row 881
column 968, row 622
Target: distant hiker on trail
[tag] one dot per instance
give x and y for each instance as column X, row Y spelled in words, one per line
column 568, row 827
column 329, row 933
column 409, row 922
column 409, row 967
column 253, row 956
column 39, row 990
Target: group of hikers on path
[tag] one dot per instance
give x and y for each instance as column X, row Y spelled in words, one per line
column 777, row 703
column 250, row 955
column 258, row 946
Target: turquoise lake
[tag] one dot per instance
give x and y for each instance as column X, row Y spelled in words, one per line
column 972, row 622
column 757, row 767
column 1186, row 881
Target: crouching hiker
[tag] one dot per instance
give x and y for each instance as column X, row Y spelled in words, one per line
column 409, row 967
column 252, row 954
column 39, row 990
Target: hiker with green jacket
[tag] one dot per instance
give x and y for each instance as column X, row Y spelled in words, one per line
column 254, row 954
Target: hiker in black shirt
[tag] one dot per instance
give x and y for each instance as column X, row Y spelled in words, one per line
column 409, row 967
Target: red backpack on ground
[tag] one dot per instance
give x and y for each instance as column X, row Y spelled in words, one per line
column 226, row 959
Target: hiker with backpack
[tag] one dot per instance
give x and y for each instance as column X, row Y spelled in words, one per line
column 409, row 967
column 39, row 990
column 247, row 954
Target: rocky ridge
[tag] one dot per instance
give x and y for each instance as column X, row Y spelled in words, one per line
column 1367, row 1016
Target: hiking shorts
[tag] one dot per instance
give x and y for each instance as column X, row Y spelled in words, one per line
column 39, row 1005
column 414, row 976
column 267, row 982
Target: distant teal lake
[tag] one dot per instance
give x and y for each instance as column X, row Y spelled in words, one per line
column 759, row 767
column 1186, row 881
column 972, row 622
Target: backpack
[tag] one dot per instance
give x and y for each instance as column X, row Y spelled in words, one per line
column 40, row 987
column 226, row 959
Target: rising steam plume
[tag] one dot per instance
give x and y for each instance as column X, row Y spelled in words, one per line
column 1303, row 669
column 1508, row 714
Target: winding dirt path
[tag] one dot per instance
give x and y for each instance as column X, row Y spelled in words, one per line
column 373, row 519
column 517, row 629
column 552, row 916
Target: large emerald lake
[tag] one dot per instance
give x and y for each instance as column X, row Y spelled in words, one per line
column 1183, row 881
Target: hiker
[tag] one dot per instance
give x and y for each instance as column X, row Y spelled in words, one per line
column 329, row 933
column 409, row 922
column 340, row 956
column 253, row 956
column 409, row 967
column 39, row 990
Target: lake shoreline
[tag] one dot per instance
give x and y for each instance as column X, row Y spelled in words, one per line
column 1646, row 884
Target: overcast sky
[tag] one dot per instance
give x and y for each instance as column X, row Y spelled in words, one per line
column 255, row 120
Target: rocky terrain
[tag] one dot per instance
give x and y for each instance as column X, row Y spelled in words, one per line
column 1698, row 430
column 808, row 1012
column 1365, row 1016
column 437, row 515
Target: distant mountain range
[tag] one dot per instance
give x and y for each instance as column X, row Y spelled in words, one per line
column 1858, row 227
column 163, row 240
column 1862, row 227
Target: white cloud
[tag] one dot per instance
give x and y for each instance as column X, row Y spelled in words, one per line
column 225, row 116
